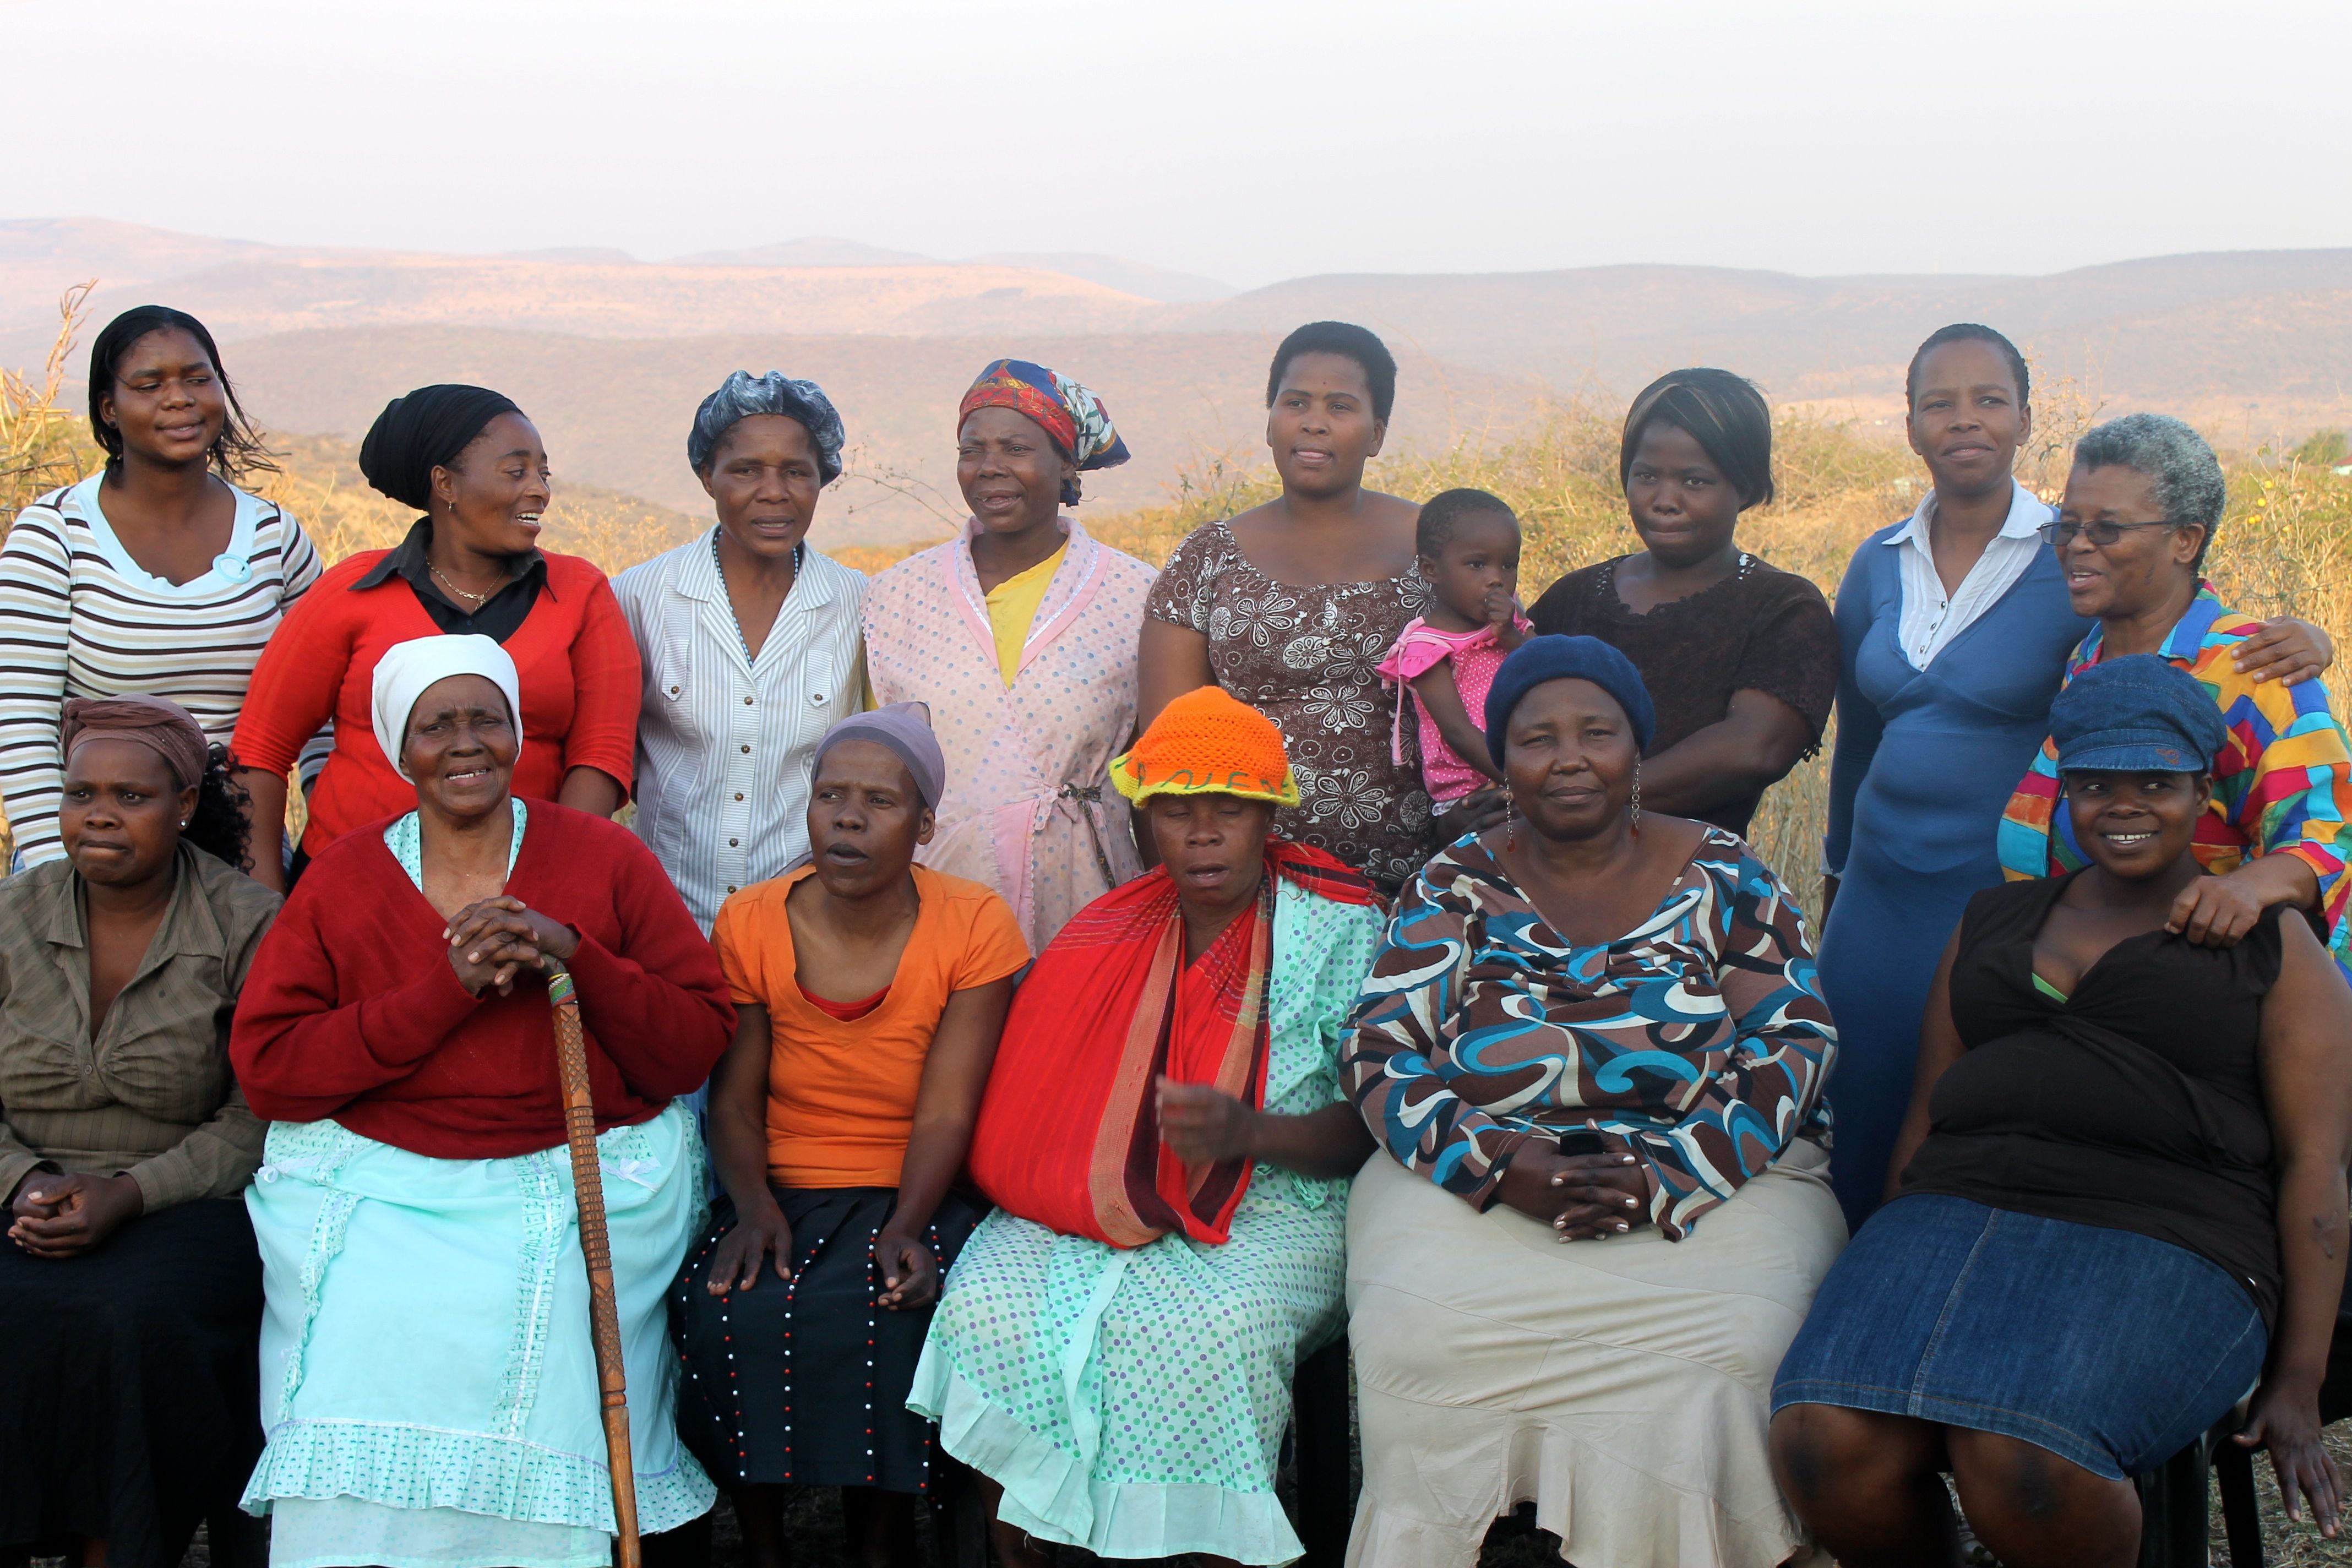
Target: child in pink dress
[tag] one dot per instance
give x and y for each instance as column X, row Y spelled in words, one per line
column 1469, row 547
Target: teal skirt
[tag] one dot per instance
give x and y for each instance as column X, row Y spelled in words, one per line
column 427, row 1366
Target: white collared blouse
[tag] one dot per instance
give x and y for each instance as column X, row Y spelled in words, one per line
column 726, row 744
column 1931, row 618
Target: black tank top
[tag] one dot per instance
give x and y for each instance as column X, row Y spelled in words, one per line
column 2136, row 1104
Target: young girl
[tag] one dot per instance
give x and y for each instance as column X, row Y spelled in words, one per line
column 1469, row 546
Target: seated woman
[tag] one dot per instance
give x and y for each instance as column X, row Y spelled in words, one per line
column 1166, row 1140
column 868, row 993
column 431, row 1391
column 1740, row 658
column 1594, row 1025
column 2120, row 1187
column 131, row 1297
column 2142, row 501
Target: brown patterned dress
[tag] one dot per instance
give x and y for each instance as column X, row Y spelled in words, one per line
column 1307, row 656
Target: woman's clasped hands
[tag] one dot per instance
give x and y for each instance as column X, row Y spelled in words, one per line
column 493, row 940
column 1580, row 1196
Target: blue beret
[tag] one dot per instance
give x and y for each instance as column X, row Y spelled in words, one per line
column 2137, row 714
column 1540, row 659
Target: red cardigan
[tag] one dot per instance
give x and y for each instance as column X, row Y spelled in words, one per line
column 579, row 667
column 352, row 1012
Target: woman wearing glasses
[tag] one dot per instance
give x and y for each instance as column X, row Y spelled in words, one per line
column 1955, row 627
column 2141, row 505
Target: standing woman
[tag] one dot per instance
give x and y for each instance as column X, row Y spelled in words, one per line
column 1740, row 656
column 155, row 575
column 1292, row 606
column 1019, row 635
column 748, row 644
column 1955, row 628
column 430, row 1389
column 130, row 1288
column 467, row 458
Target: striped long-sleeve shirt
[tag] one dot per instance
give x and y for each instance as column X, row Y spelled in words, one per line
column 78, row 617
column 2282, row 784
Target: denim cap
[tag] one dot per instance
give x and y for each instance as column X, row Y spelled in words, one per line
column 1540, row 659
column 2137, row 714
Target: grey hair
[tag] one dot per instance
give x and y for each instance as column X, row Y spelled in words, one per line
column 742, row 395
column 2184, row 474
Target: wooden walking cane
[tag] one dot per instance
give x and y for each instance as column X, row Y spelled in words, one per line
column 596, row 1241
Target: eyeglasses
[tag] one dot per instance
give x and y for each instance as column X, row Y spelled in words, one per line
column 2059, row 534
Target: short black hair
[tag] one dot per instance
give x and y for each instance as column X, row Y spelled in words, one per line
column 1348, row 341
column 238, row 448
column 1442, row 513
column 1969, row 332
column 1722, row 412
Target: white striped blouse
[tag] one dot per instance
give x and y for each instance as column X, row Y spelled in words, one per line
column 78, row 617
column 725, row 742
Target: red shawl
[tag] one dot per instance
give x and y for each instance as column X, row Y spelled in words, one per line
column 1068, row 1134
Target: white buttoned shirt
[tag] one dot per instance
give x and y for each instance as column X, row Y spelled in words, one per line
column 1931, row 618
column 726, row 744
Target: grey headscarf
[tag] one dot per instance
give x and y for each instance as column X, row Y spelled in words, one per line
column 744, row 395
column 905, row 729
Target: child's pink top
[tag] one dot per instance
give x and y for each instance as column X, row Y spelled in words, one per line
column 1475, row 656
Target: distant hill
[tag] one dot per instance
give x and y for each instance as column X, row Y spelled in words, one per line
column 611, row 352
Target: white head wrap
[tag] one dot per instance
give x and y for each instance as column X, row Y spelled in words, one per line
column 408, row 667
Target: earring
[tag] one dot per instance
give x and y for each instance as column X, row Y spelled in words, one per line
column 1637, row 798
column 1510, row 820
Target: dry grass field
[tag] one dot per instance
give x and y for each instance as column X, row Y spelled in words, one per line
column 2283, row 547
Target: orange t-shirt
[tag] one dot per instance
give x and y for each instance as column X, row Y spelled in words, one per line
column 841, row 1095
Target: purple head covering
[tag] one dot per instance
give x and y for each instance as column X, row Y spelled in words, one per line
column 905, row 729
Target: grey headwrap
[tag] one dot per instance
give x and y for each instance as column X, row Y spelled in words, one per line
column 905, row 729
column 744, row 395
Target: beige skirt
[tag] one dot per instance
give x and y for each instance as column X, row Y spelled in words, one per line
column 1624, row 1385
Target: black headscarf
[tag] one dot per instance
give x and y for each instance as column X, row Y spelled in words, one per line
column 424, row 430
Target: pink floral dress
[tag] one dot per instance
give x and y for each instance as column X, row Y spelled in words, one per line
column 1029, row 810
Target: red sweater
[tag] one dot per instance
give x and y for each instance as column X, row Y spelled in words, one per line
column 580, row 689
column 352, row 1012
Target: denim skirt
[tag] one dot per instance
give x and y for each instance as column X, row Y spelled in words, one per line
column 2108, row 1348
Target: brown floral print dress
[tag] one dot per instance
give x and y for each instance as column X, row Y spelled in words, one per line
column 1307, row 656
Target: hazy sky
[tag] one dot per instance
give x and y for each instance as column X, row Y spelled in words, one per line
column 1251, row 140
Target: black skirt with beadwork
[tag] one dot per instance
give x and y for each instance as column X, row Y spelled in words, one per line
column 805, row 1381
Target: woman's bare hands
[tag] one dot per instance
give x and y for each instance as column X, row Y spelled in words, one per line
column 2286, row 650
column 910, row 1273
column 66, row 1215
column 2285, row 1420
column 1202, row 1126
column 1579, row 1196
column 491, row 939
column 740, row 1250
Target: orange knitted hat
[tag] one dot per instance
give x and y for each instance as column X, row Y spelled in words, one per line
column 1206, row 743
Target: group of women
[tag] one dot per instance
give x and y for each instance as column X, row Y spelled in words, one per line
column 1098, row 988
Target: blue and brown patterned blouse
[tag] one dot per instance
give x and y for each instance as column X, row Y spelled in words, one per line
column 1697, row 1041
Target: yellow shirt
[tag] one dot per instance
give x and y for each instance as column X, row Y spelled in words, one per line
column 1013, row 606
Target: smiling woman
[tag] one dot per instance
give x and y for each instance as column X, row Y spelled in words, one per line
column 396, row 1033
column 155, row 575
column 467, row 460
